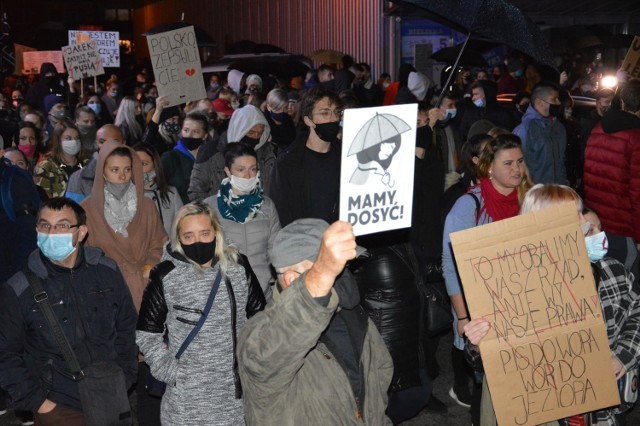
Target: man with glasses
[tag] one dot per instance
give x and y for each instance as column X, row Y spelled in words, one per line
column 313, row 356
column 544, row 138
column 92, row 303
column 306, row 177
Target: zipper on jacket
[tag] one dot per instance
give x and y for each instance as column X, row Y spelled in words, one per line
column 192, row 310
column 358, row 414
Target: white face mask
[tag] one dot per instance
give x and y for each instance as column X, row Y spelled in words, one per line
column 597, row 246
column 244, row 185
column 71, row 147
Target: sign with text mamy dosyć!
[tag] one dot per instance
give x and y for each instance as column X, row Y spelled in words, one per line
column 376, row 176
column 176, row 65
column 83, row 60
column 546, row 355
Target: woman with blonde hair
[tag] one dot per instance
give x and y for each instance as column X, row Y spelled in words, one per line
column 130, row 121
column 197, row 266
column 503, row 183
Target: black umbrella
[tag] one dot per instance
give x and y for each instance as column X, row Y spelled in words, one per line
column 470, row 57
column 202, row 37
column 280, row 66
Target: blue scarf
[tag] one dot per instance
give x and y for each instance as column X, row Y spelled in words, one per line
column 183, row 149
column 240, row 208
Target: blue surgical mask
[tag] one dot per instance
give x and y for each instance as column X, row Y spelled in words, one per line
column 518, row 73
column 56, row 247
column 597, row 246
column 95, row 108
column 450, row 114
column 480, row 103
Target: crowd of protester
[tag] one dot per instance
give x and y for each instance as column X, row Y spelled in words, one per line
column 128, row 209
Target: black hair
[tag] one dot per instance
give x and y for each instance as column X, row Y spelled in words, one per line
column 201, row 117
column 470, row 149
column 235, row 150
column 161, row 181
column 313, row 96
column 59, row 203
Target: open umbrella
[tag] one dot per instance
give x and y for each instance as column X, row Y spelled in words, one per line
column 202, row 37
column 470, row 57
column 280, row 66
column 376, row 130
column 327, row 56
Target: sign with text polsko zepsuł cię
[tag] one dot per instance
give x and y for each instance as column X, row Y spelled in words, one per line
column 176, row 65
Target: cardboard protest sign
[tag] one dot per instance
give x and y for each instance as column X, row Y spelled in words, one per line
column 176, row 65
column 631, row 62
column 376, row 176
column 31, row 61
column 82, row 60
column 107, row 42
column 20, row 49
column 546, row 355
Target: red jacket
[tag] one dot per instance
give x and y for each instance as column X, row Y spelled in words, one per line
column 612, row 173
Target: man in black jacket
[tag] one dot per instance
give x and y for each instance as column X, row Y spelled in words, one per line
column 92, row 304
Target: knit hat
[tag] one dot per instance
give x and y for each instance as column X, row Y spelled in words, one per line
column 418, row 84
column 300, row 240
column 167, row 113
column 51, row 100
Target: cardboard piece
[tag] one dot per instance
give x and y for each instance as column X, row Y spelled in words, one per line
column 31, row 60
column 107, row 42
column 82, row 60
column 20, row 49
column 176, row 65
column 631, row 62
column 376, row 176
column 546, row 355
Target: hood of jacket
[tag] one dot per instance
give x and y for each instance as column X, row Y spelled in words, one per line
column 531, row 114
column 234, row 78
column 243, row 120
column 616, row 121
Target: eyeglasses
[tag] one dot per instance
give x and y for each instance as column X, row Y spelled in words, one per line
column 326, row 113
column 60, row 227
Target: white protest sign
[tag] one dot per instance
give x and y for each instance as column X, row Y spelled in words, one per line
column 31, row 61
column 376, row 177
column 82, row 60
column 107, row 42
column 176, row 65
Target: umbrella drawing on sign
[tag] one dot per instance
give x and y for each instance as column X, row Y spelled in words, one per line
column 327, row 56
column 375, row 145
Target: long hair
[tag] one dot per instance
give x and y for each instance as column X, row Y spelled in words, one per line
column 488, row 155
column 541, row 196
column 126, row 116
column 224, row 254
column 55, row 143
column 161, row 180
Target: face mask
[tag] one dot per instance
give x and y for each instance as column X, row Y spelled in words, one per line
column 252, row 142
column 278, row 116
column 568, row 113
column 328, row 132
column 50, row 80
column 450, row 114
column 71, row 147
column 113, row 94
column 586, row 88
column 554, row 110
column 200, row 253
column 117, row 189
column 244, row 185
column 149, row 177
column 385, row 85
column 480, row 103
column 16, row 102
column 214, row 86
column 597, row 246
column 518, row 73
column 23, row 115
column 60, row 114
column 95, row 108
column 27, row 150
column 56, row 247
column 171, row 128
column 192, row 143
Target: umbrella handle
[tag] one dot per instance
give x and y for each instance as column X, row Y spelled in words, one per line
column 453, row 69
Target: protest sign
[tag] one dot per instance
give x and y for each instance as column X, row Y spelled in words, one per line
column 82, row 60
column 376, row 176
column 107, row 42
column 176, row 65
column 20, row 49
column 31, row 61
column 631, row 62
column 546, row 355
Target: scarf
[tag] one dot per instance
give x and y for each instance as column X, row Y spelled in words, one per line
column 499, row 206
column 119, row 213
column 240, row 208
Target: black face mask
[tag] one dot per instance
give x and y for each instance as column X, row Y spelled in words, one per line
column 51, row 80
column 200, row 253
column 554, row 110
column 252, row 142
column 328, row 132
column 192, row 143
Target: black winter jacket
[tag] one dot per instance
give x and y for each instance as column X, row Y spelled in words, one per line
column 94, row 307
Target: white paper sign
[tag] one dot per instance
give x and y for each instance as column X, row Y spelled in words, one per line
column 32, row 60
column 376, row 177
column 108, row 43
column 82, row 60
column 176, row 65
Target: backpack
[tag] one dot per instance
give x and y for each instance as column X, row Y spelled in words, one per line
column 6, row 199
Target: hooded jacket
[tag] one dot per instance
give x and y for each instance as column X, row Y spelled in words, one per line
column 146, row 237
column 207, row 175
column 612, row 173
column 544, row 142
column 492, row 111
column 81, row 181
column 234, row 78
column 37, row 92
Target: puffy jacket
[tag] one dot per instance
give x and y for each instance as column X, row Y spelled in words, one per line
column 612, row 173
column 544, row 142
column 291, row 377
column 32, row 367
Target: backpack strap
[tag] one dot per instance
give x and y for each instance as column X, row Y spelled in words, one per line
column 475, row 198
